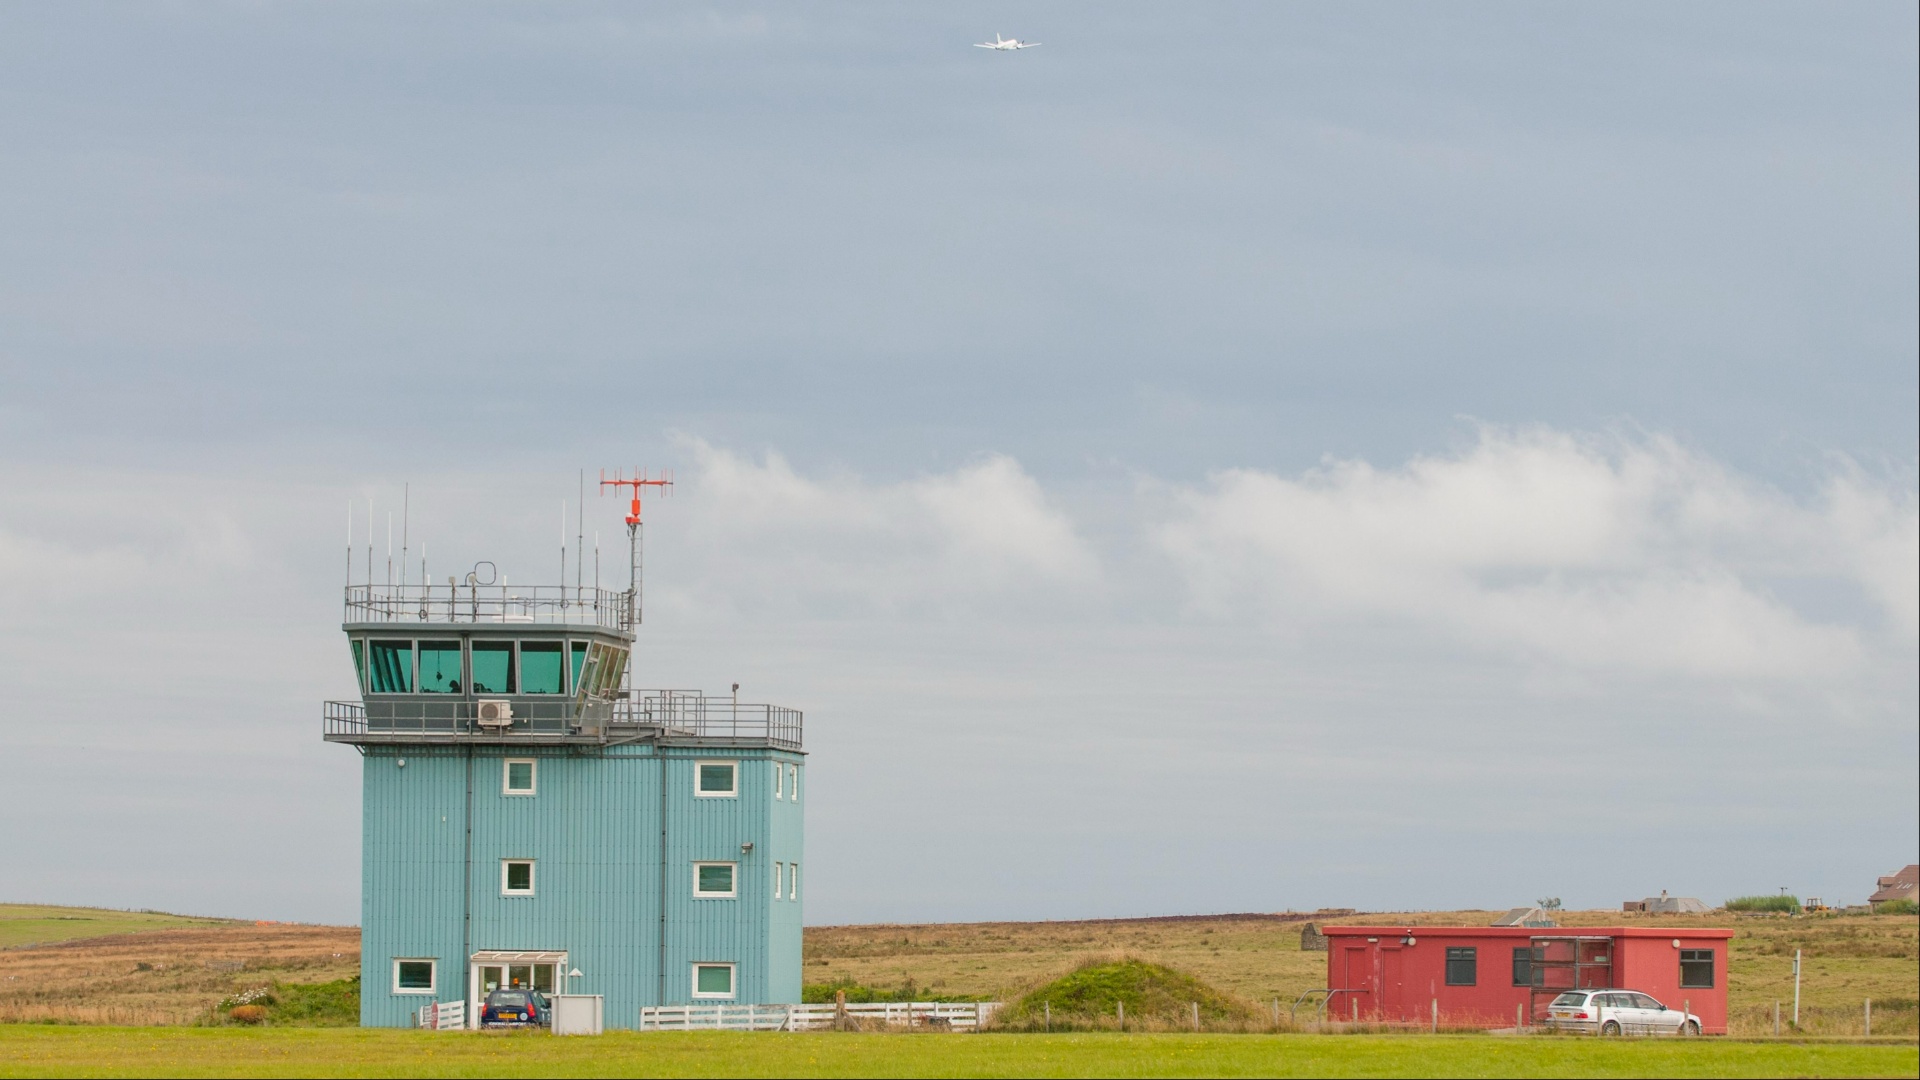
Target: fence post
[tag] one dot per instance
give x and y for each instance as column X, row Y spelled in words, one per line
column 1120, row 1010
column 1776, row 1019
column 1276, row 1012
column 1355, row 1002
column 1049, row 1011
column 1519, row 1025
column 1196, row 1015
column 1869, row 1028
column 1436, row 1016
column 839, row 1010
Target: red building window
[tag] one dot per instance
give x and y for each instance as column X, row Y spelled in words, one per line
column 1463, row 967
column 1696, row 969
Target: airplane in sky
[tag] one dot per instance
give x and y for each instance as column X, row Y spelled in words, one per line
column 1000, row 44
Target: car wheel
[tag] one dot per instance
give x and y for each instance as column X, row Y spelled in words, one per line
column 1690, row 1028
column 1611, row 1027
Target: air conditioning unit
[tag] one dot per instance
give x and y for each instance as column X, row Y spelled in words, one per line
column 495, row 712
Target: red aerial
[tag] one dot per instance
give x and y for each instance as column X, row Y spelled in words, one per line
column 638, row 481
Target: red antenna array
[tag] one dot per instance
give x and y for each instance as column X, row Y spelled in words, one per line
column 636, row 482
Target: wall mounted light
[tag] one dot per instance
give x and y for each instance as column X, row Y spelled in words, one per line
column 746, row 847
column 402, row 763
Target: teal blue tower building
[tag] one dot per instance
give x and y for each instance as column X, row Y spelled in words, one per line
column 530, row 819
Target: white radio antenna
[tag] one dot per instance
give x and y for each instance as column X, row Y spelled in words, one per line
column 349, row 543
column 406, row 507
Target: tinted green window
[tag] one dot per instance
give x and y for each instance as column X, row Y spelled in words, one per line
column 716, row 878
column 540, row 669
column 359, row 663
column 439, row 667
column 519, row 776
column 519, row 877
column 416, row 975
column 716, row 779
column 587, row 677
column 713, row 979
column 492, row 667
column 391, row 667
column 579, row 658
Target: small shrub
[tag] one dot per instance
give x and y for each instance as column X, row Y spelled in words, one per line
column 1789, row 905
column 1897, row 907
column 247, row 1014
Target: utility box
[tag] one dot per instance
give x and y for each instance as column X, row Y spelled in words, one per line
column 578, row 1014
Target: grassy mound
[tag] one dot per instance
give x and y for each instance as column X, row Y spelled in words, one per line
column 1155, row 996
column 328, row 1004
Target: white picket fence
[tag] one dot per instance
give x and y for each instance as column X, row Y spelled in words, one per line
column 931, row 1015
column 443, row 1016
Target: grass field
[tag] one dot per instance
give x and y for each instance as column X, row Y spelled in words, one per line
column 29, row 924
column 37, row 1050
column 172, row 970
column 1258, row 957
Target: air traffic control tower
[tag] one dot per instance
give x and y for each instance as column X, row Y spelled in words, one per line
column 530, row 819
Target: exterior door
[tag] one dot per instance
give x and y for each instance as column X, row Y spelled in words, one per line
column 1393, row 990
column 1359, row 982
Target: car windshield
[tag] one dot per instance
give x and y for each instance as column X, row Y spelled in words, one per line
column 507, row 997
column 1570, row 999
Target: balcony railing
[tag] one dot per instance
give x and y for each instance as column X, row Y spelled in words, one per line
column 669, row 713
column 490, row 603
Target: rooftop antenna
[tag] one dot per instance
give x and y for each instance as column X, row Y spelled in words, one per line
column 349, row 543
column 369, row 542
column 639, row 480
column 389, row 549
column 563, row 555
column 580, row 538
column 406, row 508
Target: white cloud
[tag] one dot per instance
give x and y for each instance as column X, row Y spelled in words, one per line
column 765, row 536
column 1602, row 552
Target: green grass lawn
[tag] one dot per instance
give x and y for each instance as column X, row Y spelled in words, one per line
column 28, row 924
column 38, row 1050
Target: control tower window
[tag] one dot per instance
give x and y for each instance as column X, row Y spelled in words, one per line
column 492, row 667
column 440, row 667
column 360, row 663
column 579, row 660
column 611, row 668
column 391, row 667
column 540, row 670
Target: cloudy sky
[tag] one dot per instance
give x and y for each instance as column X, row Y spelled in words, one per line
column 1371, row 455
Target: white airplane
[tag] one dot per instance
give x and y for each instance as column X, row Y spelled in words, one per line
column 1000, row 44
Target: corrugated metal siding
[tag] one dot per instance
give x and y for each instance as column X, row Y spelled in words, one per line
column 594, row 831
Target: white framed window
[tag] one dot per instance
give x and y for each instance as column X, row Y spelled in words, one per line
column 794, row 892
column 415, row 975
column 793, row 781
column 715, row 880
column 716, row 779
column 518, row 776
column 778, row 777
column 779, row 879
column 516, row 877
column 713, row 981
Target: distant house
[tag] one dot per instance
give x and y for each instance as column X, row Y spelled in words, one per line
column 1896, row 886
column 1667, row 905
column 1525, row 916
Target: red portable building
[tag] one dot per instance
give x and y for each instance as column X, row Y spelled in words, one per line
column 1489, row 976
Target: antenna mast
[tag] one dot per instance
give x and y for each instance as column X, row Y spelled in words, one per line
column 638, row 481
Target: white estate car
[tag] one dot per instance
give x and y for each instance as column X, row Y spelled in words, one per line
column 1616, row 1012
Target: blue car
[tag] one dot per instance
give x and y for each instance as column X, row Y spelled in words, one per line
column 514, row 1008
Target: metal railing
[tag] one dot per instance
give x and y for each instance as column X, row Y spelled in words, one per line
column 490, row 603
column 672, row 713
